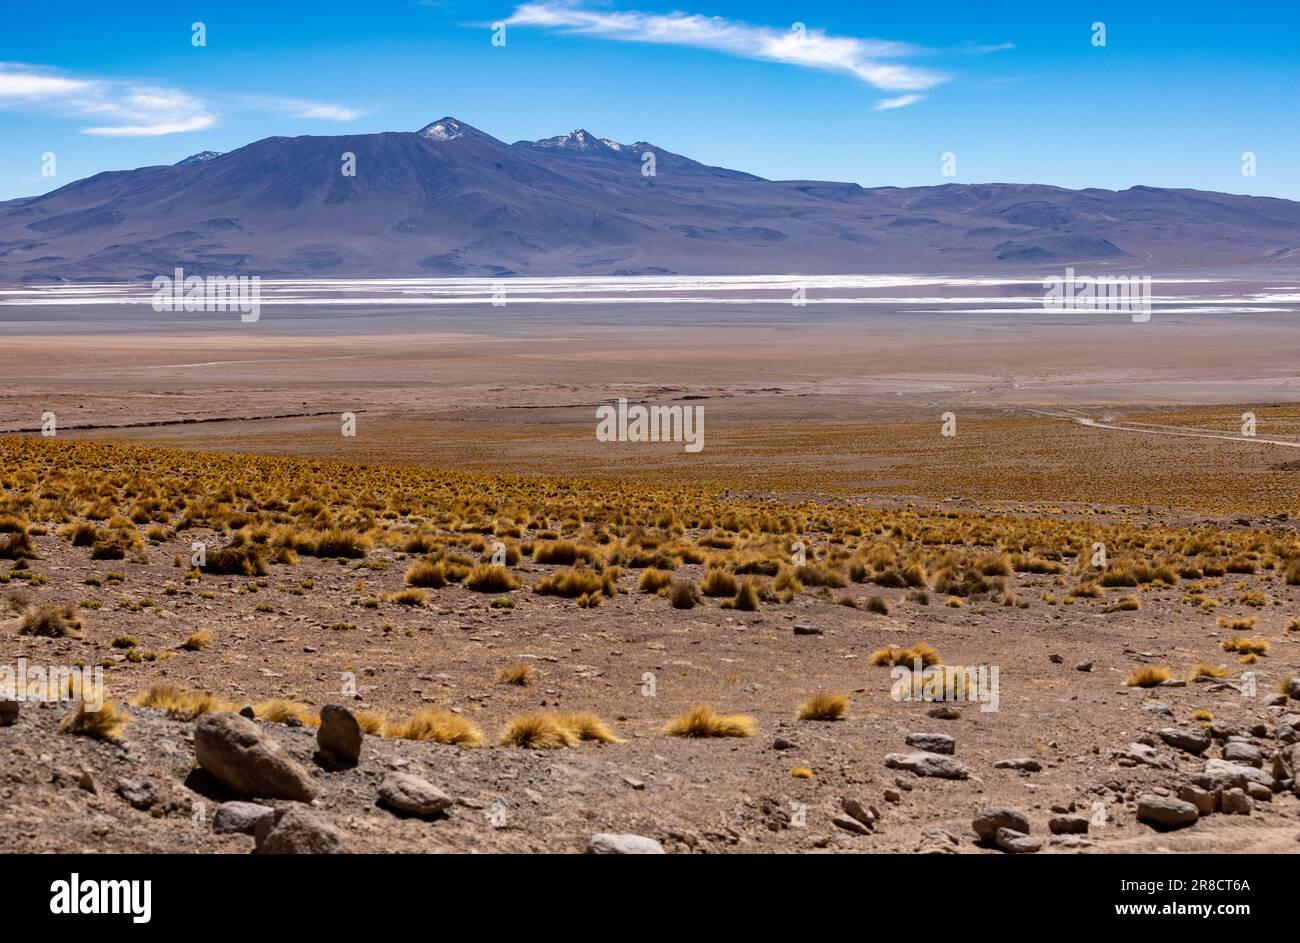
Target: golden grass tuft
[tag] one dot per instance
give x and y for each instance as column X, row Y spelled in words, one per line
column 538, row 732
column 197, row 641
column 1245, row 646
column 438, row 725
column 801, row 772
column 587, row 727
column 824, row 706
column 411, row 596
column 106, row 723
column 1206, row 670
column 181, row 703
column 653, row 580
column 281, row 710
column 491, row 578
column 891, row 656
column 701, row 721
column 50, row 620
column 427, row 573
column 1147, row 677
column 520, row 674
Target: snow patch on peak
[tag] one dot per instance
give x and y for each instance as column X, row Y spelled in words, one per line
column 448, row 129
column 202, row 157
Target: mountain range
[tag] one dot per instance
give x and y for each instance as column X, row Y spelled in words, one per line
column 451, row 200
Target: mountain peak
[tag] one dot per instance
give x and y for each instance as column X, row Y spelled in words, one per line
column 448, row 129
column 202, row 157
column 576, row 140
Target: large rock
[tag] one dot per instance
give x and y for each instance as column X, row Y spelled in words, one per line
column 1145, row 755
column 1068, row 824
column 240, row 817
column 1243, row 751
column 1026, row 764
column 339, row 735
column 932, row 742
column 1286, row 766
column 1235, row 802
column 928, row 764
column 1223, row 774
column 1191, row 741
column 297, row 830
column 234, row 752
column 1162, row 813
column 411, row 795
column 987, row 822
column 140, row 794
column 608, row 844
column 1204, row 800
column 8, row 713
column 1016, row 843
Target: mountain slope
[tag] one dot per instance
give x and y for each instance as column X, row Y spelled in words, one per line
column 452, row 200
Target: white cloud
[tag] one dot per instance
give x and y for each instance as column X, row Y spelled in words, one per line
column 902, row 101
column 865, row 59
column 124, row 108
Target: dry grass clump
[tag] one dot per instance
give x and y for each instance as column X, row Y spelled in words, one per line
column 520, row 674
column 336, row 542
column 411, row 596
column 891, row 656
column 718, row 582
column 106, row 723
column 242, row 560
column 1237, row 625
column 573, row 583
column 491, row 578
column 431, row 574
column 538, row 732
column 747, row 598
column 701, row 721
column 1206, row 670
column 1203, row 716
column 438, row 725
column 1245, row 646
column 587, row 727
column 878, row 604
column 824, row 706
column 282, row 711
column 197, row 641
column 1127, row 604
column 181, row 703
column 652, row 580
column 1147, row 677
column 50, row 620
column 683, row 594
column 801, row 772
column 17, row 546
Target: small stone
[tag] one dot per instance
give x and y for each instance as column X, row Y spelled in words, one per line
column 1068, row 824
column 248, row 712
column 1149, row 756
column 893, row 795
column 1163, row 813
column 1025, row 763
column 923, row 763
column 139, row 793
column 635, row 783
column 408, row 793
column 1157, row 707
column 1204, row 800
column 863, row 814
column 1235, row 802
column 850, row 824
column 944, row 712
column 987, row 822
column 801, row 628
column 783, row 743
column 297, row 830
column 1083, row 666
column 1055, row 659
column 1016, row 843
column 340, row 734
column 1259, row 792
column 86, row 781
column 1235, row 751
column 605, row 843
column 239, row 817
column 1190, row 741
column 932, row 742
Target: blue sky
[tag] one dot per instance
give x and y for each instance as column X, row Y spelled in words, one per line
column 871, row 93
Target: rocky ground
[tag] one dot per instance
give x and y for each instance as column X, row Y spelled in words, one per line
column 1081, row 761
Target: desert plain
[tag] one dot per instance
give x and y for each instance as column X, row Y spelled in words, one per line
column 476, row 556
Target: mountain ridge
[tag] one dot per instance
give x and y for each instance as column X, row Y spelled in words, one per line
column 450, row 199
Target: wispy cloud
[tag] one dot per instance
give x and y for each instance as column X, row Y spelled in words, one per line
column 902, row 101
column 874, row 61
column 125, row 108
